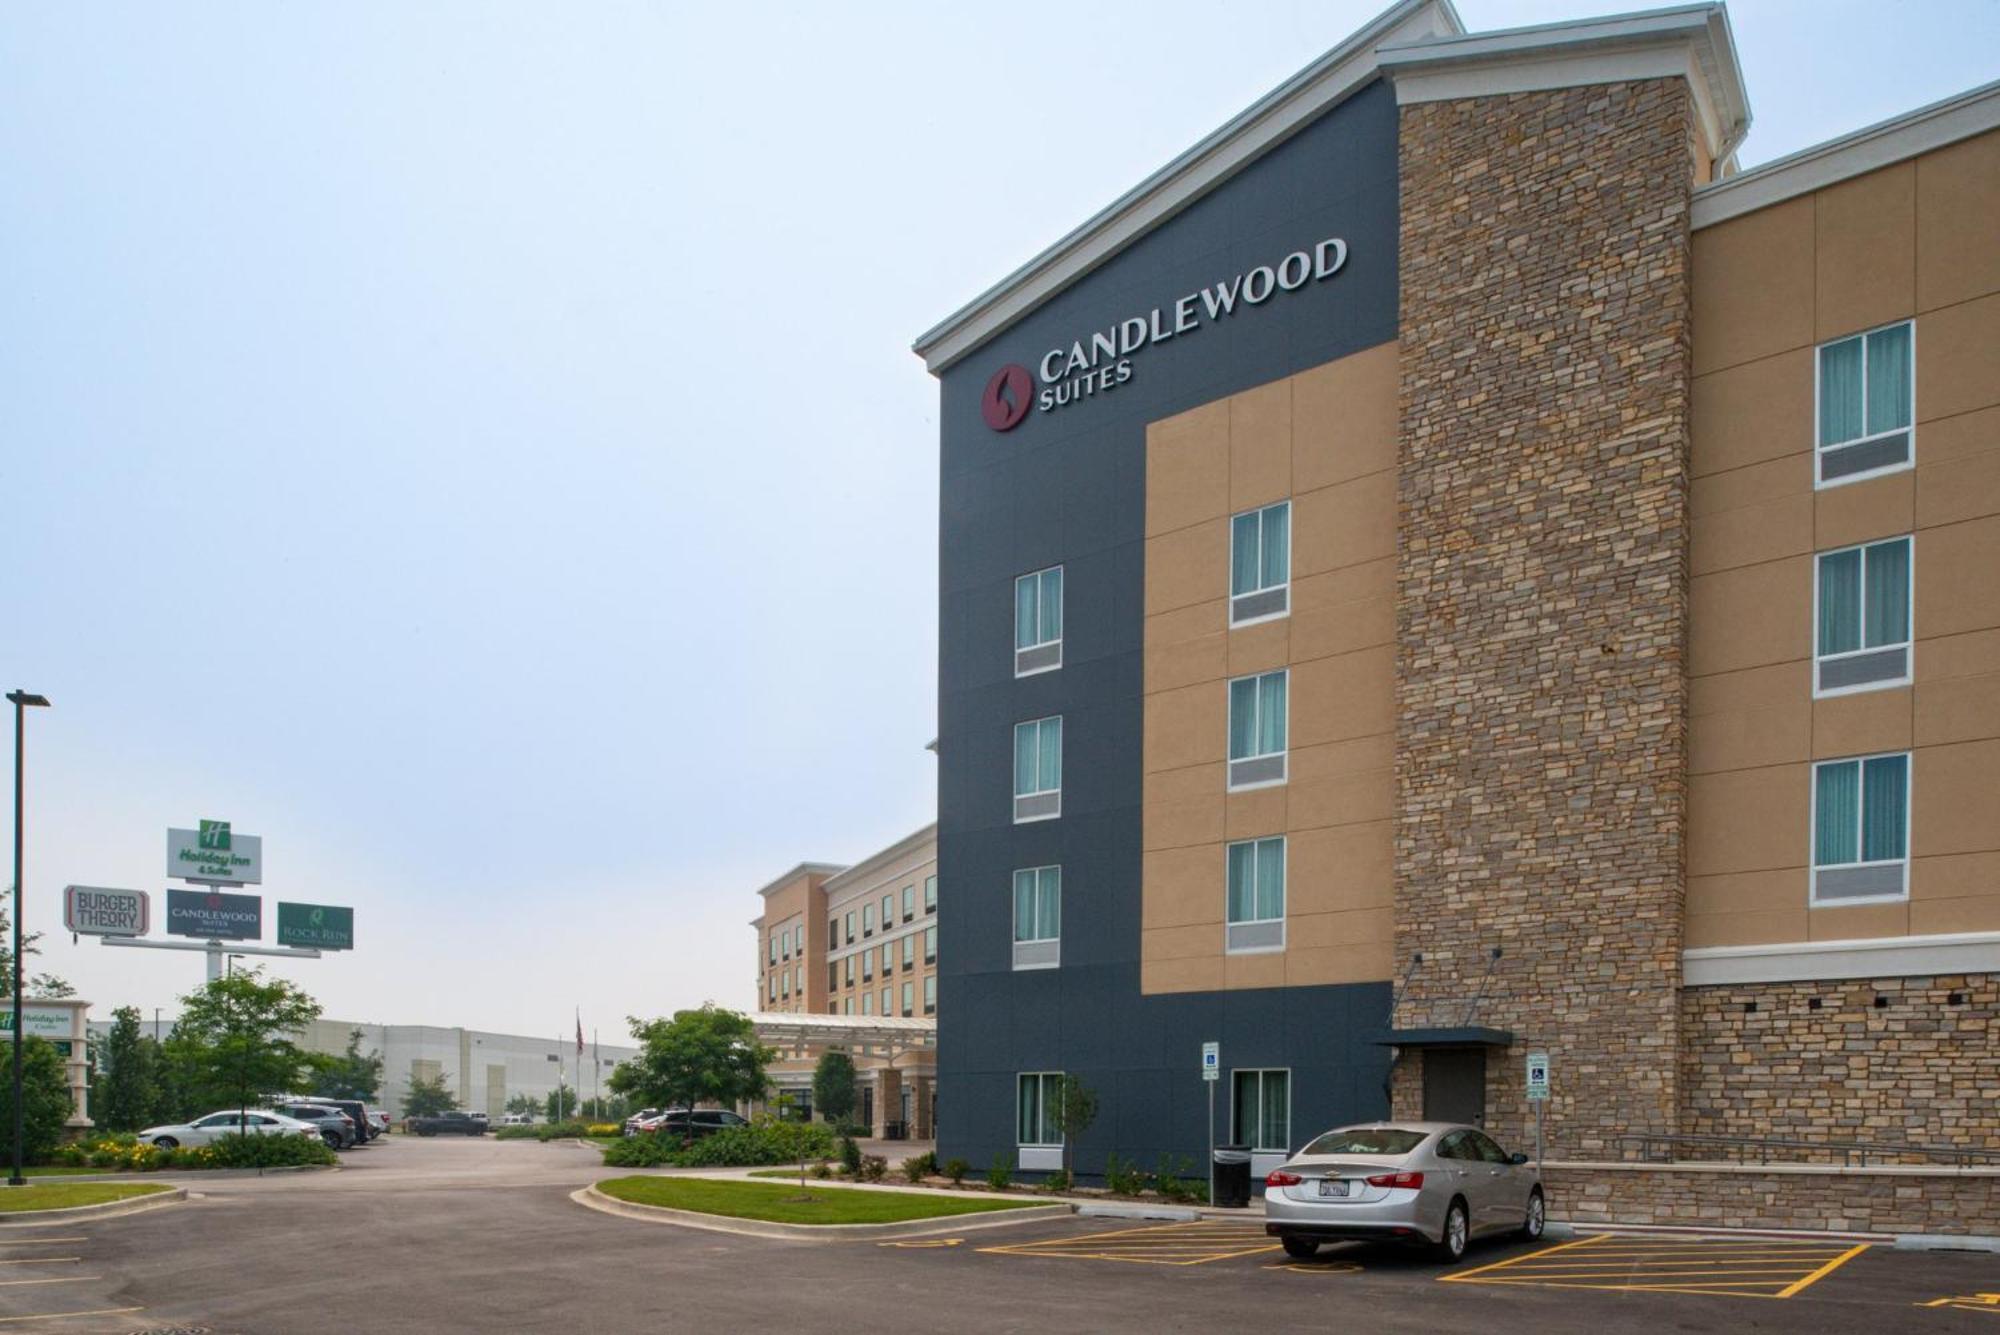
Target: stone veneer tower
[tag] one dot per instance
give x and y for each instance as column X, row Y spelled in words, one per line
column 1542, row 589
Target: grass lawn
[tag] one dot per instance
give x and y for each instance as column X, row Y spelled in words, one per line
column 779, row 1204
column 64, row 1170
column 63, row 1195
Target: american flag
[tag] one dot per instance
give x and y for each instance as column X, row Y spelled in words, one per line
column 579, row 1033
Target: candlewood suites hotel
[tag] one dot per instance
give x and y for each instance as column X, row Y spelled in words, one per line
column 1450, row 566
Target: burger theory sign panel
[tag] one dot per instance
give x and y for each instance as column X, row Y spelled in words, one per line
column 1100, row 361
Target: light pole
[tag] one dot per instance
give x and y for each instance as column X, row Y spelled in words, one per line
column 22, row 701
column 230, row 969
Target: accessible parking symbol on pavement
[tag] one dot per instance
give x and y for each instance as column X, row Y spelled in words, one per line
column 1969, row 1302
column 1194, row 1243
column 1626, row 1263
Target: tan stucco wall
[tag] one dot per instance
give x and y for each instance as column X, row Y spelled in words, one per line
column 1918, row 239
column 1326, row 438
column 797, row 902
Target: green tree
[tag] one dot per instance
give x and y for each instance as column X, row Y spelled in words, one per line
column 709, row 1055
column 603, row 1108
column 427, row 1098
column 524, row 1103
column 348, row 1076
column 37, row 985
column 234, row 1038
column 45, row 1100
column 1076, row 1109
column 128, row 1094
column 833, row 1086
column 560, row 1105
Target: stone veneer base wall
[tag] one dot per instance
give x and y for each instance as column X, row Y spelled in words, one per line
column 1542, row 590
column 1778, row 1196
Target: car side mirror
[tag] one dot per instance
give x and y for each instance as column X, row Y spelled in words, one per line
column 1517, row 1158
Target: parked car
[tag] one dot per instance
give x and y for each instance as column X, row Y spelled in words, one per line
column 520, row 1119
column 448, row 1124
column 692, row 1125
column 643, row 1115
column 242, row 1121
column 336, row 1128
column 1439, row 1183
column 358, row 1113
column 380, row 1119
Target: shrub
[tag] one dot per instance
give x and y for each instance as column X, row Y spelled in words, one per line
column 956, row 1169
column 874, row 1168
column 1056, row 1181
column 822, row 1171
column 920, row 1166
column 999, row 1176
column 1174, row 1187
column 1122, row 1178
column 516, row 1132
column 642, row 1152
column 850, row 1155
column 562, row 1131
column 768, row 1140
column 268, row 1152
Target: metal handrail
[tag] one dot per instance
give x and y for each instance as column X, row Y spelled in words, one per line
column 1962, row 1156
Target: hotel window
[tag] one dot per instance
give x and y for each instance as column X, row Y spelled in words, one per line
column 909, row 998
column 909, row 952
column 909, row 903
column 888, row 958
column 850, row 971
column 867, row 966
column 930, row 894
column 1257, row 895
column 1038, row 612
column 930, row 945
column 1038, row 1108
column 867, row 1003
column 1865, row 401
column 833, row 1008
column 1038, row 769
column 888, row 999
column 1263, row 1110
column 832, row 975
column 1038, row 917
column 785, row 943
column 774, row 948
column 888, row 912
column 771, row 987
column 1862, row 607
column 930, row 995
column 1257, row 709
column 1861, row 829
column 868, row 919
column 1260, row 564
column 785, row 983
column 832, row 933
column 850, row 929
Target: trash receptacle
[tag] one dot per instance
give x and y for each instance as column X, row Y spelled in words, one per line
column 1232, row 1176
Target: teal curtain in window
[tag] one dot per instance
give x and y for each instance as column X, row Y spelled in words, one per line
column 1242, row 882
column 1024, row 906
column 1277, row 545
column 1244, row 1124
column 1885, row 809
column 1026, row 736
column 1242, row 718
column 1027, row 591
column 1888, row 594
column 1051, row 759
column 1270, row 878
column 1839, row 602
column 1889, row 379
column 1244, row 545
column 1052, row 1109
column 1048, row 904
column 1840, row 368
column 1276, row 1132
column 1027, row 1121
column 1050, row 621
column 1271, row 713
column 1836, row 814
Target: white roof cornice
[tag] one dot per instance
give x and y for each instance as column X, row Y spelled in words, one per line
column 1691, row 41
column 1266, row 123
column 1896, row 140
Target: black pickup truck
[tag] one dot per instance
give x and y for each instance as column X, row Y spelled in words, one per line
column 448, row 1124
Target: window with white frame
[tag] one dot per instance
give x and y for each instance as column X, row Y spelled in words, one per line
column 1038, row 769
column 850, row 928
column 847, row 1006
column 774, row 948
column 888, row 1000
column 867, row 1003
column 1260, row 564
column 1037, row 917
column 1038, row 1108
column 868, row 918
column 1262, row 1110
column 930, row 945
column 1862, row 611
column 909, row 903
column 1861, row 829
column 930, row 995
column 868, row 965
column 888, row 912
column 1038, row 616
column 909, row 952
column 1866, row 402
column 1256, row 895
column 930, row 894
column 771, row 986
column 909, row 998
column 850, row 971
column 1257, row 726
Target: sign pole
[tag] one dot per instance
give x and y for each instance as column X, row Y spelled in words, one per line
column 1211, row 1141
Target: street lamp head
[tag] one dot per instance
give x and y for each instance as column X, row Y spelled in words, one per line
column 28, row 699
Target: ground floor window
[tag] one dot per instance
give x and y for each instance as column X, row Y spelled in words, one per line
column 1038, row 1105
column 1263, row 1110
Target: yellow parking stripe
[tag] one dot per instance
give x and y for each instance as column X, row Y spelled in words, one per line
column 1717, row 1266
column 64, row 1316
column 1157, row 1244
column 1827, row 1269
column 1463, row 1275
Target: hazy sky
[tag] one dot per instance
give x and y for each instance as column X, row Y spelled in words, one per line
column 475, row 446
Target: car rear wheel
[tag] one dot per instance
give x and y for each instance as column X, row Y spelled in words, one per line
column 1301, row 1249
column 167, row 1143
column 332, row 1140
column 1457, row 1232
column 1531, row 1227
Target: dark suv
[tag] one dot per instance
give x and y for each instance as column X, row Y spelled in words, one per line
column 694, row 1125
column 358, row 1113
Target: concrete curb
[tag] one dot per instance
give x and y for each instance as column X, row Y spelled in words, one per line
column 593, row 1199
column 102, row 1210
column 1944, row 1242
column 1138, row 1210
column 1900, row 1241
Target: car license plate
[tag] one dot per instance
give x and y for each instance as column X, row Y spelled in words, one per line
column 1333, row 1186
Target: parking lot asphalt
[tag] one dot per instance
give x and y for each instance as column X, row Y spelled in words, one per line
column 437, row 1236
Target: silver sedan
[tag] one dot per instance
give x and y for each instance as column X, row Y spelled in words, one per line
column 1439, row 1183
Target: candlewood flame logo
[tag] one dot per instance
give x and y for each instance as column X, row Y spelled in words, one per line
column 1009, row 395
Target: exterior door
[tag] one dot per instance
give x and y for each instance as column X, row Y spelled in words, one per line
column 868, row 1109
column 1455, row 1085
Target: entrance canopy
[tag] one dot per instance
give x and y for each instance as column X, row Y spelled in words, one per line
column 885, row 1036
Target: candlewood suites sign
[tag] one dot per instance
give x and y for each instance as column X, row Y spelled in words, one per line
column 1100, row 361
